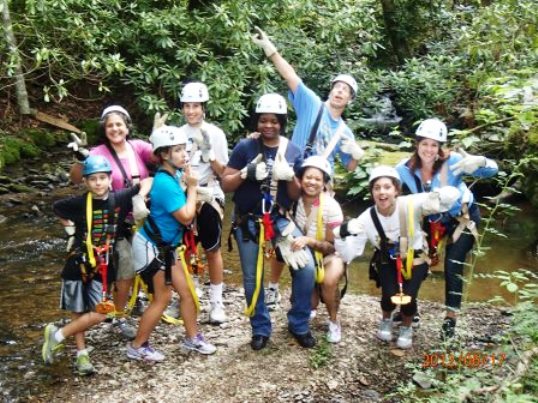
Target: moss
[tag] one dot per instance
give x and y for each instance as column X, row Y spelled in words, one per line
column 40, row 137
column 91, row 128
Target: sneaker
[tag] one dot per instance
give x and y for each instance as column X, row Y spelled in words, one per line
column 216, row 313
column 50, row 346
column 448, row 330
column 122, row 327
column 84, row 366
column 405, row 338
column 334, row 335
column 198, row 344
column 306, row 340
column 173, row 309
column 397, row 319
column 144, row 353
column 313, row 314
column 385, row 330
column 272, row 298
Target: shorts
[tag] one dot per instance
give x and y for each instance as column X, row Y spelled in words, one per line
column 146, row 260
column 209, row 225
column 124, row 263
column 78, row 297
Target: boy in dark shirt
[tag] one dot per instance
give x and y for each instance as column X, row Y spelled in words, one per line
column 91, row 220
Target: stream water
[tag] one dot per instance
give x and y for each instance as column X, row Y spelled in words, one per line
column 32, row 253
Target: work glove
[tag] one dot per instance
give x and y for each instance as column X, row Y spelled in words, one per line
column 256, row 170
column 261, row 39
column 351, row 147
column 203, row 141
column 140, row 210
column 282, row 170
column 159, row 121
column 440, row 200
column 78, row 146
column 70, row 231
column 468, row 164
column 296, row 259
column 204, row 194
column 352, row 227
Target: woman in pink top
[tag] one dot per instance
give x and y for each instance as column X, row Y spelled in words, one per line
column 129, row 160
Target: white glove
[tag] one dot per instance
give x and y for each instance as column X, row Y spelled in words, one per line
column 255, row 170
column 282, row 170
column 203, row 141
column 440, row 200
column 351, row 147
column 159, row 121
column 448, row 195
column 352, row 227
column 468, row 164
column 261, row 39
column 70, row 231
column 140, row 211
column 77, row 145
column 296, row 259
column 204, row 194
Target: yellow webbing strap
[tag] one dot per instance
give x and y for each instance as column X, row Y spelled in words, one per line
column 249, row 310
column 188, row 277
column 89, row 246
column 320, row 269
column 139, row 283
column 408, row 271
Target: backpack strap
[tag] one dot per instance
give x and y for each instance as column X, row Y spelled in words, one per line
column 313, row 133
column 127, row 182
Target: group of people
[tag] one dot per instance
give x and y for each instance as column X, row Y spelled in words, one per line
column 284, row 212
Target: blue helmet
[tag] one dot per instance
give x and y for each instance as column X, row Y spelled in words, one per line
column 94, row 164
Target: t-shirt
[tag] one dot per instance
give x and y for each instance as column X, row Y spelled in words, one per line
column 167, row 196
column 74, row 209
column 248, row 195
column 142, row 153
column 203, row 170
column 331, row 216
column 306, row 104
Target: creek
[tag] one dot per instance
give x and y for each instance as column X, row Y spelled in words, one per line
column 32, row 247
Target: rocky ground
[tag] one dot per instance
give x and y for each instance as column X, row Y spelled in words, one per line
column 360, row 368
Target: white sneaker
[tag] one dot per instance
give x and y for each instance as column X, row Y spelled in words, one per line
column 121, row 326
column 313, row 314
column 385, row 330
column 405, row 338
column 334, row 335
column 272, row 298
column 216, row 313
column 198, row 344
column 173, row 309
column 144, row 353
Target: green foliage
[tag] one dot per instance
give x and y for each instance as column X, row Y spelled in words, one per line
column 321, row 354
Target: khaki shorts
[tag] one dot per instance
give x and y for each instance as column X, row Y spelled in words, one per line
column 125, row 264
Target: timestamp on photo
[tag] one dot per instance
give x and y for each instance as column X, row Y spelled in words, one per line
column 471, row 359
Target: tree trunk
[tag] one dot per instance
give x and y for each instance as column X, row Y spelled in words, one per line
column 20, row 85
column 398, row 42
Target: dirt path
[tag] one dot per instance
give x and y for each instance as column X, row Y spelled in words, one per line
column 360, row 368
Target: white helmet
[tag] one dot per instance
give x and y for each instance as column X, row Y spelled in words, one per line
column 383, row 170
column 115, row 108
column 194, row 92
column 349, row 80
column 432, row 129
column 319, row 162
column 272, row 103
column 166, row 136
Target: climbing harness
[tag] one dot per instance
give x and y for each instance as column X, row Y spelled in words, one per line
column 249, row 310
column 400, row 298
column 437, row 231
column 98, row 256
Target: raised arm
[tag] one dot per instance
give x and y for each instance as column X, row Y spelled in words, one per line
column 286, row 71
